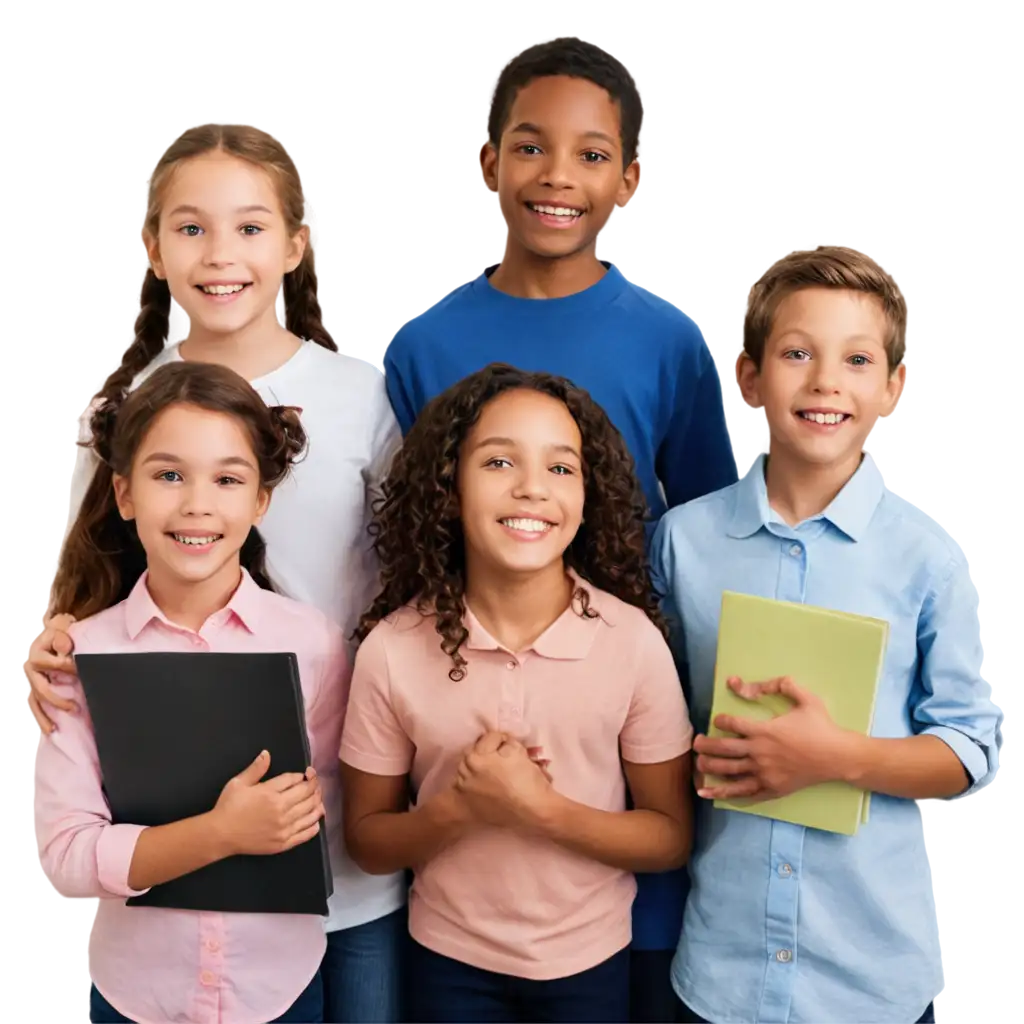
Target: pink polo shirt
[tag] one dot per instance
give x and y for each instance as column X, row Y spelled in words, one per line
column 154, row 964
column 586, row 689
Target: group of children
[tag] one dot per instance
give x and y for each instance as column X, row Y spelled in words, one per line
column 530, row 581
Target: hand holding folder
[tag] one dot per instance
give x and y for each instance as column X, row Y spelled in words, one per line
column 835, row 657
column 173, row 730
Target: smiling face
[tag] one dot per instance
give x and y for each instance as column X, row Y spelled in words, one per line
column 824, row 377
column 194, row 493
column 223, row 244
column 520, row 484
column 558, row 170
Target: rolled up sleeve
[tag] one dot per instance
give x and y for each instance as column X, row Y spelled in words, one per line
column 955, row 701
column 81, row 851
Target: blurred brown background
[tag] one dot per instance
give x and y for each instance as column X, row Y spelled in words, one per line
column 910, row 143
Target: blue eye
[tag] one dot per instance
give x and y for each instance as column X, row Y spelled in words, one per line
column 190, row 230
column 860, row 360
column 170, row 476
column 562, row 470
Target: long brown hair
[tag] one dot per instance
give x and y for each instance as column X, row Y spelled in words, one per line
column 302, row 308
column 418, row 536
column 102, row 558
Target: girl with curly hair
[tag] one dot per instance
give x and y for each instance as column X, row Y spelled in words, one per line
column 164, row 556
column 513, row 678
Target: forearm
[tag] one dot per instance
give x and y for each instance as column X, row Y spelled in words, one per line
column 915, row 768
column 638, row 840
column 384, row 842
column 166, row 852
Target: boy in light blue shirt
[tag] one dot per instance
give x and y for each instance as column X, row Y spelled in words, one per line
column 785, row 923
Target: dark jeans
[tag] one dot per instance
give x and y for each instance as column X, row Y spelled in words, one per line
column 446, row 990
column 652, row 1000
column 307, row 1009
column 362, row 971
column 687, row 1016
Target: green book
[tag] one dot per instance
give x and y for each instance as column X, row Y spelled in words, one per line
column 833, row 654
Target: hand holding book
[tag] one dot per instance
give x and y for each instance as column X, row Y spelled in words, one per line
column 763, row 760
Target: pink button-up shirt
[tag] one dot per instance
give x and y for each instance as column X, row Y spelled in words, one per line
column 154, row 964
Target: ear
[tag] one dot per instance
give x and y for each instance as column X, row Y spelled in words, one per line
column 748, row 376
column 489, row 165
column 296, row 249
column 630, row 181
column 262, row 504
column 893, row 389
column 122, row 495
column 153, row 252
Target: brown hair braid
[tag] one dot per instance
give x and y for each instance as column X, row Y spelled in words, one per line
column 416, row 528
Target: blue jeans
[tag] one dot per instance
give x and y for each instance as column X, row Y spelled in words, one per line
column 447, row 990
column 307, row 1009
column 362, row 971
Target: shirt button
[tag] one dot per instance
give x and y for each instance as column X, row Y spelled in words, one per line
column 208, row 978
column 785, row 870
column 796, row 551
column 784, row 956
column 510, row 665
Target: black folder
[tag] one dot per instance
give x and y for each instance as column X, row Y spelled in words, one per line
column 171, row 729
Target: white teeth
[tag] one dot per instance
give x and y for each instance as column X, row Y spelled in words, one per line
column 222, row 289
column 824, row 417
column 527, row 525
column 557, row 211
column 195, row 541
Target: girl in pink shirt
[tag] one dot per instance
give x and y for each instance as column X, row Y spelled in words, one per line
column 164, row 556
column 513, row 677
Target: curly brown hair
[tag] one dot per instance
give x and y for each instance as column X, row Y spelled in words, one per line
column 418, row 536
column 102, row 558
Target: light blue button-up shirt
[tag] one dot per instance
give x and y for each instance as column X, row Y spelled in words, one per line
column 786, row 923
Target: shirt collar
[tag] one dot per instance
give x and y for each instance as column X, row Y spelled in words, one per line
column 568, row 638
column 141, row 609
column 850, row 511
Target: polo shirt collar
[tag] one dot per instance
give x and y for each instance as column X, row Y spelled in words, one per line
column 568, row 638
column 141, row 609
column 850, row 511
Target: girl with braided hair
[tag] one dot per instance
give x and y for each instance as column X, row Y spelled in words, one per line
column 224, row 235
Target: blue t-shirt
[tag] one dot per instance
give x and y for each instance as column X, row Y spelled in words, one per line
column 639, row 357
column 644, row 362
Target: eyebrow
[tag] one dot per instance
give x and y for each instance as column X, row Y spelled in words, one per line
column 231, row 460
column 185, row 208
column 528, row 128
column 852, row 337
column 508, row 442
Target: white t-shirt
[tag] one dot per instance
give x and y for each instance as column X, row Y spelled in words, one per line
column 318, row 550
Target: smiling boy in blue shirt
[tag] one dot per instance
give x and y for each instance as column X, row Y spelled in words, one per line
column 785, row 923
column 561, row 155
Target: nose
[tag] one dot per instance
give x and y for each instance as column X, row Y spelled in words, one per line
column 558, row 170
column 197, row 499
column 531, row 484
column 218, row 251
column 825, row 380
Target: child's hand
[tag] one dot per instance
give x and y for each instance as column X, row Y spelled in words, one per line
column 50, row 652
column 771, row 759
column 502, row 784
column 268, row 817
